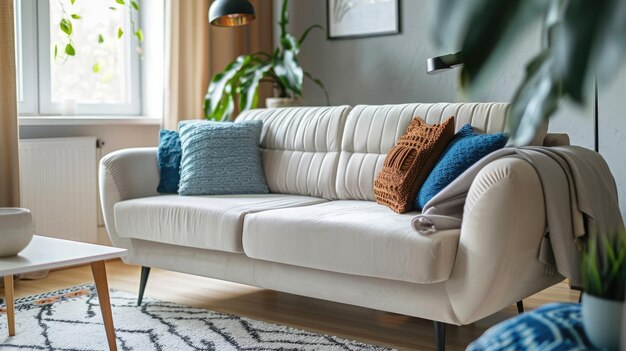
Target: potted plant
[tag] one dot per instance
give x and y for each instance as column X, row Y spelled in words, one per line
column 239, row 82
column 604, row 286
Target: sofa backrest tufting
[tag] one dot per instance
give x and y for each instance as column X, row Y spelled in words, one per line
column 300, row 148
column 336, row 152
column 371, row 131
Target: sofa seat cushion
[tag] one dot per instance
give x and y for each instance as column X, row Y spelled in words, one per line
column 352, row 237
column 213, row 222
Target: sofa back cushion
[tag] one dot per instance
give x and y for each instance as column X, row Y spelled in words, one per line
column 300, row 148
column 371, row 131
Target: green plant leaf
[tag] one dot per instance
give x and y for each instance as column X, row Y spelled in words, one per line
column 226, row 106
column 66, row 26
column 552, row 19
column 218, row 100
column 610, row 47
column 56, row 51
column 120, row 32
column 591, row 267
column 307, row 31
column 590, row 43
column 75, row 16
column 592, row 274
column 135, row 5
column 248, row 90
column 121, row 2
column 284, row 19
column 574, row 45
column 261, row 55
column 72, row 1
column 494, row 28
column 289, row 72
column 319, row 84
column 96, row 68
column 535, row 100
column 69, row 50
column 139, row 35
column 604, row 265
column 289, row 43
column 100, row 39
column 112, row 8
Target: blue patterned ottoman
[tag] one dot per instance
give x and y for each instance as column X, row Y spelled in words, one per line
column 556, row 326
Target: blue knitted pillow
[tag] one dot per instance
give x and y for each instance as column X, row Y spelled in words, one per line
column 466, row 148
column 168, row 158
column 221, row 158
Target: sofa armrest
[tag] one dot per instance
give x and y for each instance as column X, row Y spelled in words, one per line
column 126, row 174
column 503, row 225
column 556, row 139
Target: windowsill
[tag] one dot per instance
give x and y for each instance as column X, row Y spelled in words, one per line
column 87, row 120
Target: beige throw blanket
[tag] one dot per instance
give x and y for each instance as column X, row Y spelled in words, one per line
column 580, row 197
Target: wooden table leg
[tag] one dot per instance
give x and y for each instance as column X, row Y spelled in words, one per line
column 100, row 277
column 8, row 291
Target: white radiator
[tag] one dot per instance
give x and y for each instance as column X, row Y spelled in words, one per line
column 58, row 184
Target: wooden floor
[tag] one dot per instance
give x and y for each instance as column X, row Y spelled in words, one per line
column 391, row 330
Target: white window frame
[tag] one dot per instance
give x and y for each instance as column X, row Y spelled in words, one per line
column 26, row 52
column 36, row 64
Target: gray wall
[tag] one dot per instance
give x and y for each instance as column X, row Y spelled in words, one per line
column 612, row 129
column 391, row 69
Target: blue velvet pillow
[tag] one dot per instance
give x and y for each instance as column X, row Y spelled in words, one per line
column 168, row 158
column 221, row 158
column 466, row 148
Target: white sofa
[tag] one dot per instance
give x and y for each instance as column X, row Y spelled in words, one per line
column 320, row 234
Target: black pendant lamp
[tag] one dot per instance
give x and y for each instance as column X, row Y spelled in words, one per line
column 231, row 13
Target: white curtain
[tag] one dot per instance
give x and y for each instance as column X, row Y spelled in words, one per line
column 9, row 164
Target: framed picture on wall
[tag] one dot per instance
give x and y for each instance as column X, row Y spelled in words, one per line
column 362, row 18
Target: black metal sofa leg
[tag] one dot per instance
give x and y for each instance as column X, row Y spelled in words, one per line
column 440, row 333
column 520, row 306
column 145, row 272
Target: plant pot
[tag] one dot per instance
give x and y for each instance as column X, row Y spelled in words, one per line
column 16, row 230
column 276, row 102
column 602, row 320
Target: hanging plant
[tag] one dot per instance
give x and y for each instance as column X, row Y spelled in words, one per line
column 69, row 18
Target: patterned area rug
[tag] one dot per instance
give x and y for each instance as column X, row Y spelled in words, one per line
column 70, row 320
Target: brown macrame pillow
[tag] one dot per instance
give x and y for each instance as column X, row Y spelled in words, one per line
column 409, row 162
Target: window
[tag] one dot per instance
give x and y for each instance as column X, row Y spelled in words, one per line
column 102, row 78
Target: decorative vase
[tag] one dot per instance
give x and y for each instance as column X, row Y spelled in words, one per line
column 276, row 102
column 602, row 320
column 16, row 230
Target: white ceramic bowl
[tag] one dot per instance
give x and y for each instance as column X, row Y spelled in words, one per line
column 16, row 230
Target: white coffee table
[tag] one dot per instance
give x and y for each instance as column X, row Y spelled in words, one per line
column 50, row 253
